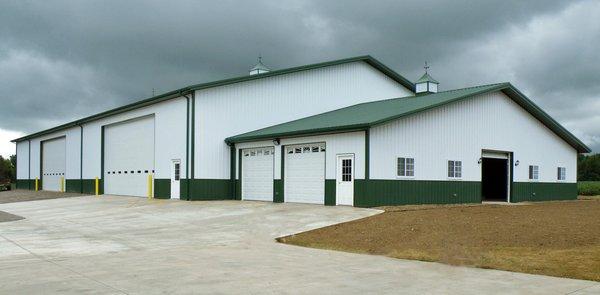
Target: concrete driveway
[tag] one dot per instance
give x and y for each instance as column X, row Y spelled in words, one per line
column 112, row 244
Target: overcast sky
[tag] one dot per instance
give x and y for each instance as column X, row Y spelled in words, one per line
column 62, row 60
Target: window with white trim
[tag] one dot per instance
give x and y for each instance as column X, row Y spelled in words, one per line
column 406, row 167
column 534, row 172
column 454, row 169
column 561, row 173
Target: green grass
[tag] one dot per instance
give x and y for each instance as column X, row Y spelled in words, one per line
column 588, row 188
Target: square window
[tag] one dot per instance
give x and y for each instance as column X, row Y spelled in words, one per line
column 534, row 172
column 454, row 169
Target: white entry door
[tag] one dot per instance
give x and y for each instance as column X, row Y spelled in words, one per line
column 175, row 176
column 344, row 189
column 304, row 173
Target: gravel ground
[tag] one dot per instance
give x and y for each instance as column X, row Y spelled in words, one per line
column 27, row 195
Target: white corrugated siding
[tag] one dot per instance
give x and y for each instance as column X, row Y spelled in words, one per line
column 169, row 141
column 23, row 160
column 230, row 110
column 460, row 131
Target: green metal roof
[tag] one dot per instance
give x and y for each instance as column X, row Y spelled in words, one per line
column 427, row 78
column 365, row 115
column 186, row 90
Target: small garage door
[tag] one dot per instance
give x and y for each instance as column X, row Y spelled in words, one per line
column 53, row 164
column 257, row 174
column 305, row 173
column 128, row 157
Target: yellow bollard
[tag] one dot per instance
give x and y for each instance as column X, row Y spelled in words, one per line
column 62, row 184
column 97, row 186
column 36, row 184
column 149, row 186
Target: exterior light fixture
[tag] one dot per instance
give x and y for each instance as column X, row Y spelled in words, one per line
column 517, row 163
column 276, row 141
column 479, row 161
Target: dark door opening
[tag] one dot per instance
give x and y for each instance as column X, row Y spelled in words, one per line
column 494, row 179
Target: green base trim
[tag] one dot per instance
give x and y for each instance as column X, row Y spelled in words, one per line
column 543, row 191
column 210, row 189
column 183, row 194
column 377, row 192
column 330, row 192
column 162, row 188
column 25, row 184
column 84, row 186
column 278, row 190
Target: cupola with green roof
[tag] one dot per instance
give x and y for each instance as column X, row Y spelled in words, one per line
column 426, row 84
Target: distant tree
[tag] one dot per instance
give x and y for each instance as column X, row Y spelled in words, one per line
column 7, row 169
column 588, row 167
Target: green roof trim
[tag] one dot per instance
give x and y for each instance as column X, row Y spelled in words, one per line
column 186, row 90
column 366, row 115
column 427, row 78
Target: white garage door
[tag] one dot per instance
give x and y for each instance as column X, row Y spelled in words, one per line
column 128, row 157
column 257, row 174
column 53, row 164
column 305, row 173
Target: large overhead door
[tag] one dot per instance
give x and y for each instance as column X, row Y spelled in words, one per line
column 257, row 174
column 128, row 156
column 305, row 173
column 53, row 164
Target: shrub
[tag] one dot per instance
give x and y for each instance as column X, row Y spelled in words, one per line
column 588, row 188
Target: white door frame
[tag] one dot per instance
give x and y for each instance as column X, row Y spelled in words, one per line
column 175, row 178
column 344, row 187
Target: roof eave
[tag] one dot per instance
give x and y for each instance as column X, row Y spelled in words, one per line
column 311, row 132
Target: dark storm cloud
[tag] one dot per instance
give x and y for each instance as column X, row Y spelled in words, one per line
column 60, row 60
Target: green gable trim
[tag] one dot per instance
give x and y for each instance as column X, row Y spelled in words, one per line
column 543, row 191
column 191, row 89
column 366, row 115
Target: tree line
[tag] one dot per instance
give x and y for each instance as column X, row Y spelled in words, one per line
column 588, row 167
column 8, row 169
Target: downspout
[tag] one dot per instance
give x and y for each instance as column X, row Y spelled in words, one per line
column 187, row 147
column 29, row 165
column 81, row 158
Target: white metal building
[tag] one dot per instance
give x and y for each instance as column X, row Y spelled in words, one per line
column 347, row 132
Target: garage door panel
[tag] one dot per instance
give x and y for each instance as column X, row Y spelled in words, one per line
column 129, row 157
column 257, row 174
column 305, row 174
column 53, row 163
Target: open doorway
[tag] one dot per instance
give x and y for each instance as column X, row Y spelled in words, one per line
column 494, row 179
